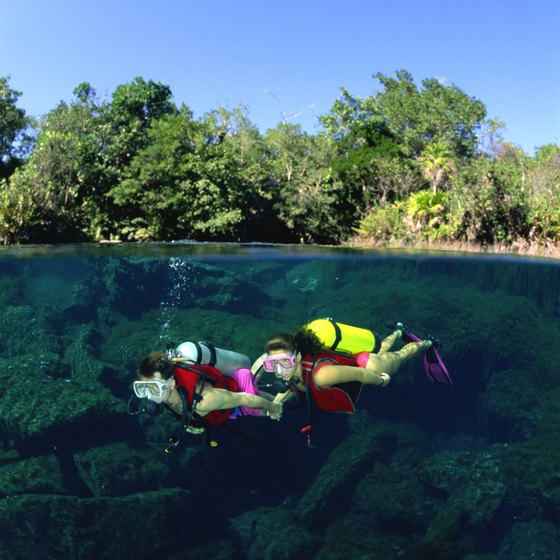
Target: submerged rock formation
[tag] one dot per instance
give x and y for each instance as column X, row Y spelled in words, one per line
column 423, row 471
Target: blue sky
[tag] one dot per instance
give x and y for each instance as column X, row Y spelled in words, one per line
column 288, row 59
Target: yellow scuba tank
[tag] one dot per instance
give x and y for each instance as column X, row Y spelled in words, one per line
column 345, row 338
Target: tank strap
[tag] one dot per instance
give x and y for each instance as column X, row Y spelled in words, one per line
column 213, row 355
column 337, row 333
column 198, row 353
column 310, row 430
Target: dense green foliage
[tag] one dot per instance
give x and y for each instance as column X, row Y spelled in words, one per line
column 406, row 163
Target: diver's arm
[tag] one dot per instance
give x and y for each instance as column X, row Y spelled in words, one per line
column 221, row 399
column 283, row 397
column 174, row 402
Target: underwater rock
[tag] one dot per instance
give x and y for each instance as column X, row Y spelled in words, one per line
column 352, row 536
column 531, row 539
column 119, row 469
column 457, row 528
column 11, row 288
column 506, row 412
column 531, row 468
column 51, row 365
column 79, row 306
column 329, row 494
column 7, row 457
column 37, row 475
column 87, row 370
column 23, row 334
column 391, row 496
column 272, row 533
column 215, row 550
column 394, row 502
column 445, row 471
column 41, row 411
column 137, row 285
column 50, row 527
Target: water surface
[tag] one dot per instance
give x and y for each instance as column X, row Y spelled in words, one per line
column 423, row 470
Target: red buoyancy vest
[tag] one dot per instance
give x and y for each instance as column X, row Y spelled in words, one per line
column 188, row 378
column 337, row 398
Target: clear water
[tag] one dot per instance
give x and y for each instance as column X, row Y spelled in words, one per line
column 423, row 470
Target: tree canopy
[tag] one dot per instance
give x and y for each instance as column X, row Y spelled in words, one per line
column 406, row 162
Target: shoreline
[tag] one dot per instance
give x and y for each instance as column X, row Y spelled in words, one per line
column 515, row 249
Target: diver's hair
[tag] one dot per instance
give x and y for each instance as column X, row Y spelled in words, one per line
column 307, row 341
column 155, row 361
column 280, row 341
column 303, row 340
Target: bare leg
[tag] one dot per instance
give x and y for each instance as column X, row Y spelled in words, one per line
column 388, row 342
column 390, row 362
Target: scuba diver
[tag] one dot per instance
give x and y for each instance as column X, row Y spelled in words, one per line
column 199, row 393
column 332, row 380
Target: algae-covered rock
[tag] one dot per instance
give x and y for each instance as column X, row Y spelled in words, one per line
column 393, row 499
column 7, row 457
column 459, row 524
column 338, row 485
column 38, row 407
column 23, row 334
column 531, row 468
column 215, row 550
column 352, row 537
column 11, row 289
column 118, row 469
column 531, row 539
column 467, row 516
column 135, row 285
column 49, row 527
column 510, row 406
column 446, row 470
column 80, row 356
column 37, row 475
column 391, row 494
column 329, row 494
column 272, row 533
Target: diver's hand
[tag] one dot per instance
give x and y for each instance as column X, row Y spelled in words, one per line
column 275, row 411
column 385, row 379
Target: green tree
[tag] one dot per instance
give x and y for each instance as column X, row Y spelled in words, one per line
column 132, row 110
column 437, row 164
column 186, row 182
column 13, row 124
column 435, row 112
column 66, row 170
column 490, row 198
column 308, row 194
column 544, row 195
column 369, row 162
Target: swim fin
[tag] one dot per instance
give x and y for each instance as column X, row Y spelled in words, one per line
column 433, row 364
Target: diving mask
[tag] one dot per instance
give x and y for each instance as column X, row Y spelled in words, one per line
column 151, row 389
column 276, row 363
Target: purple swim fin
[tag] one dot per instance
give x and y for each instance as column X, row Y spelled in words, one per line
column 433, row 364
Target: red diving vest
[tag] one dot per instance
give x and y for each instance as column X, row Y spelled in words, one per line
column 188, row 378
column 338, row 398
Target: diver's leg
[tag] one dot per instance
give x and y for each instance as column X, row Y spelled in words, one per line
column 388, row 342
column 390, row 362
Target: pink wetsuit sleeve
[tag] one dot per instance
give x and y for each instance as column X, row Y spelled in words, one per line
column 244, row 379
column 362, row 359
